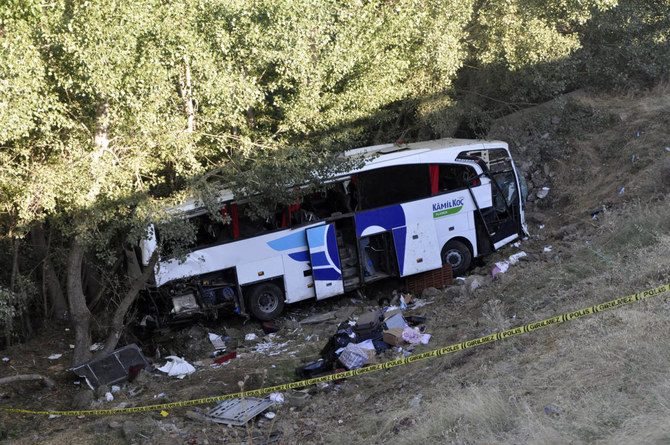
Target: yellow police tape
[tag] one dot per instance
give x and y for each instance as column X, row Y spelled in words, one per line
column 391, row 364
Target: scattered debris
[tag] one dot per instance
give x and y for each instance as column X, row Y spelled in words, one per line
column 623, row 189
column 250, row 337
column 238, row 412
column 552, row 410
column 319, row 318
column 226, row 358
column 55, row 356
column 414, row 336
column 547, row 249
column 112, row 368
column 416, row 401
column 541, row 194
column 353, row 357
column 217, row 342
column 513, row 259
column 502, row 266
column 269, row 327
column 177, row 367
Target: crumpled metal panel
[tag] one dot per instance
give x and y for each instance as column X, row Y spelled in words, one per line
column 112, row 368
column 238, row 411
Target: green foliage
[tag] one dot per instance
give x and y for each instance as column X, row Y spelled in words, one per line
column 7, row 309
column 13, row 304
column 107, row 108
column 628, row 46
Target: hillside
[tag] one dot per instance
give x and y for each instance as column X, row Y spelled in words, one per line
column 606, row 161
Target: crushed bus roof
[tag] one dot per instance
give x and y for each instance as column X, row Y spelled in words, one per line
column 381, row 156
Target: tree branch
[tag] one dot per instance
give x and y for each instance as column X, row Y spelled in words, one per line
column 26, row 377
column 121, row 311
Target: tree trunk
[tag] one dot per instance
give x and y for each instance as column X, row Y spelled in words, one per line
column 53, row 287
column 81, row 316
column 26, row 377
column 9, row 323
column 101, row 137
column 119, row 315
column 187, row 96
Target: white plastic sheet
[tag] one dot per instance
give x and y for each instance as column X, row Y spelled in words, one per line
column 177, row 367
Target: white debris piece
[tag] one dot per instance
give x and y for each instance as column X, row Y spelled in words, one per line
column 277, row 397
column 500, row 267
column 55, row 356
column 250, row 337
column 217, row 342
column 513, row 259
column 541, row 194
column 547, row 249
column 177, row 367
column 271, row 348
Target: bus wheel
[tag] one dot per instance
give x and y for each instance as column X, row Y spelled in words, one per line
column 458, row 255
column 266, row 301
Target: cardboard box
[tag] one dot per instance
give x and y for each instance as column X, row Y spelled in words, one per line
column 394, row 337
column 372, row 357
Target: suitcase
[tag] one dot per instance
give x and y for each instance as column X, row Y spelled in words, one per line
column 368, row 327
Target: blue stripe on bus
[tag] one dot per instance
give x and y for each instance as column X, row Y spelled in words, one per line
column 303, row 255
column 328, row 274
column 400, row 239
column 316, row 237
column 331, row 241
column 386, row 217
column 288, row 242
column 320, row 259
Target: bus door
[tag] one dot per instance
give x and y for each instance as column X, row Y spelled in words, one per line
column 502, row 220
column 415, row 247
column 325, row 260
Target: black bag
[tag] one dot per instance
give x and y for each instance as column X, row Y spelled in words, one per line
column 314, row 369
column 337, row 341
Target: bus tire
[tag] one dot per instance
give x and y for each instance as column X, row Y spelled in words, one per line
column 458, row 255
column 266, row 301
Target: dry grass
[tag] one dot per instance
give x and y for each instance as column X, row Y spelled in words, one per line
column 600, row 379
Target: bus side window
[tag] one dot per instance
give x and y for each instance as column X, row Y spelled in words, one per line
column 249, row 225
column 393, row 185
column 454, row 177
column 210, row 231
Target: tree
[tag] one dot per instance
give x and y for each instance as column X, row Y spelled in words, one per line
column 111, row 110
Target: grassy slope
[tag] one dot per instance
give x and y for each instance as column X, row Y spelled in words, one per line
column 600, row 379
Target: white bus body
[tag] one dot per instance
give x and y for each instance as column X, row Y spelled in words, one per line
column 410, row 209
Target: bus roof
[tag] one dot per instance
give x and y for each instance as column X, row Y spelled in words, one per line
column 385, row 155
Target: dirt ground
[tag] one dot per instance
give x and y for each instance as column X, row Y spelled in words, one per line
column 602, row 232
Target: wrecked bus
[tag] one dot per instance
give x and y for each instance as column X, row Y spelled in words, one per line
column 411, row 208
